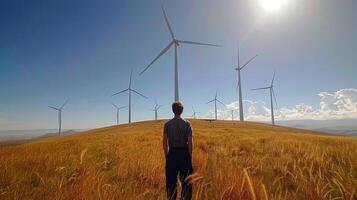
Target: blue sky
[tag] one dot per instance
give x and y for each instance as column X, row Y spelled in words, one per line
column 84, row 51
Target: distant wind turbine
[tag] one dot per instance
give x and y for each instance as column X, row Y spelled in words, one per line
column 238, row 69
column 129, row 89
column 118, row 110
column 176, row 42
column 272, row 94
column 59, row 109
column 194, row 113
column 232, row 113
column 215, row 100
column 156, row 108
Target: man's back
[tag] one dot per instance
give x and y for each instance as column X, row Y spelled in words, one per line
column 177, row 131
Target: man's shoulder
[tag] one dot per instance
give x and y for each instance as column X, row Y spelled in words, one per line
column 169, row 122
column 174, row 119
column 187, row 121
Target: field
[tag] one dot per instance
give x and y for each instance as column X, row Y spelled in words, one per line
column 232, row 160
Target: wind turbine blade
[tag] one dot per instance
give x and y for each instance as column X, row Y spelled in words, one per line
column 131, row 75
column 115, row 106
column 198, row 43
column 167, row 22
column 250, row 60
column 216, row 94
column 122, row 107
column 158, row 107
column 210, row 101
column 272, row 80
column 193, row 109
column 64, row 104
column 238, row 57
column 53, row 108
column 237, row 84
column 262, row 88
column 120, row 92
column 139, row 93
column 157, row 57
column 221, row 102
column 276, row 103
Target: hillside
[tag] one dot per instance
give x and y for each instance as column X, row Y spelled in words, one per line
column 233, row 160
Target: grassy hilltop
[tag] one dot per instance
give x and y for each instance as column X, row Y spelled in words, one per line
column 233, row 160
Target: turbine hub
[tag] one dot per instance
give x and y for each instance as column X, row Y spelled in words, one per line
column 176, row 42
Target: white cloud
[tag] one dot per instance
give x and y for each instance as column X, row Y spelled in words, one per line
column 341, row 104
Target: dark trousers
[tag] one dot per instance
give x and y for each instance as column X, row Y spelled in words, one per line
column 178, row 162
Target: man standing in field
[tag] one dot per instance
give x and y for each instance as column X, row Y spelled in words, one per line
column 177, row 144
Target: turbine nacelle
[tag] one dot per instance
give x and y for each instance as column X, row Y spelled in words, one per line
column 177, row 43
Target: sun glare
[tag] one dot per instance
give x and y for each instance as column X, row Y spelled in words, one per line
column 272, row 5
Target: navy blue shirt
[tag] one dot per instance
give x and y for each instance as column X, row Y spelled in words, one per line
column 178, row 131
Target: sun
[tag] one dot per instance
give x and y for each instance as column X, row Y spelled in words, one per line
column 272, row 5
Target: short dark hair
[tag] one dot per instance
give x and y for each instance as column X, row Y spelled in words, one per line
column 177, row 107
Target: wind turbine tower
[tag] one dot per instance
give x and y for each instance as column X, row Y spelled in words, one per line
column 176, row 42
column 59, row 110
column 238, row 69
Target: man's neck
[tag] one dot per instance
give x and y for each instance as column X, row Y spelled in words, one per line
column 178, row 116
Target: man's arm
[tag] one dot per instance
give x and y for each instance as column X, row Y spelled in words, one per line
column 190, row 140
column 190, row 145
column 164, row 143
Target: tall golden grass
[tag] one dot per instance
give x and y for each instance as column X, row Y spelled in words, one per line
column 232, row 160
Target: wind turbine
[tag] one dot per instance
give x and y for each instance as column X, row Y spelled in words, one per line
column 156, row 108
column 232, row 113
column 238, row 69
column 215, row 100
column 118, row 109
column 129, row 89
column 272, row 94
column 59, row 109
column 194, row 113
column 176, row 42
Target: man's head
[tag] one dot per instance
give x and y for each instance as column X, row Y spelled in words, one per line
column 177, row 108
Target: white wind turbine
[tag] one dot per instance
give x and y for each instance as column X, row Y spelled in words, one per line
column 156, row 108
column 272, row 95
column 118, row 110
column 215, row 100
column 232, row 114
column 59, row 110
column 129, row 89
column 176, row 42
column 194, row 113
column 238, row 69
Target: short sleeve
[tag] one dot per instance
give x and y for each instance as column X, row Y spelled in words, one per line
column 189, row 129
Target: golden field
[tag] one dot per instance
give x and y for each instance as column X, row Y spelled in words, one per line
column 232, row 160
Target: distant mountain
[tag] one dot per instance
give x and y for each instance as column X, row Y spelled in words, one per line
column 339, row 130
column 341, row 127
column 31, row 134
column 68, row 132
